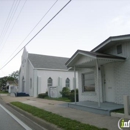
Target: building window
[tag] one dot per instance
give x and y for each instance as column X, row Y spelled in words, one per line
column 88, row 82
column 67, row 82
column 119, row 49
column 49, row 81
column 30, row 82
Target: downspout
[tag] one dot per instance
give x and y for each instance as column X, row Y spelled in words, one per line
column 98, row 85
column 75, row 84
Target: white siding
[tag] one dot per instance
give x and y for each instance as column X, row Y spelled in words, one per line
column 82, row 60
column 89, row 96
column 121, row 73
column 55, row 75
column 31, row 76
column 109, row 86
column 24, row 71
column 113, row 50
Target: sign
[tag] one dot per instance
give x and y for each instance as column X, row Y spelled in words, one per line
column 124, row 124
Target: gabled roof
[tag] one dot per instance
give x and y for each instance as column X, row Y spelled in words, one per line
column 110, row 41
column 15, row 82
column 48, row 62
column 93, row 55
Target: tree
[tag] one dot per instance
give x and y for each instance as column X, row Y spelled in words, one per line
column 3, row 81
column 14, row 75
column 11, row 77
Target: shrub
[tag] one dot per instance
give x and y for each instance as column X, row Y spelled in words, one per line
column 47, row 93
column 72, row 91
column 65, row 92
column 42, row 95
column 72, row 96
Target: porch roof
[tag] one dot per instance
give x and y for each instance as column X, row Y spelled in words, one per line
column 92, row 56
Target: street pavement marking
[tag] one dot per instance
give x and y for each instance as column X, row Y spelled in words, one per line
column 16, row 119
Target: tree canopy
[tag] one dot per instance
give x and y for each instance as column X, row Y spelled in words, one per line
column 11, row 77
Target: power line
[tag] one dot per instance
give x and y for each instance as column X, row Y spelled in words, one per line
column 36, row 34
column 35, row 27
column 7, row 18
column 14, row 24
column 10, row 20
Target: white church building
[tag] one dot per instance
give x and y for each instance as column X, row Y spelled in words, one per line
column 42, row 73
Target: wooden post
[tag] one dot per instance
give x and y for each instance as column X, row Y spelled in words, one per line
column 98, row 85
column 75, row 84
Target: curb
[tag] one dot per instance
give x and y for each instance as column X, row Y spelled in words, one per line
column 35, row 119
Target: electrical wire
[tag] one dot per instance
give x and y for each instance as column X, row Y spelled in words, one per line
column 10, row 20
column 36, row 34
column 13, row 25
column 34, row 27
column 7, row 18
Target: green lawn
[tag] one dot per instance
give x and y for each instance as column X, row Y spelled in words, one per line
column 4, row 92
column 62, row 122
column 119, row 110
column 58, row 99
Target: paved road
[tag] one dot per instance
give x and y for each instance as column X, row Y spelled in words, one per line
column 7, row 122
column 10, row 119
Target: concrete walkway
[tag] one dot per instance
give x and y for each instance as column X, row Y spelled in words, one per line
column 101, row 121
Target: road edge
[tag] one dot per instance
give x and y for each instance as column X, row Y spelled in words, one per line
column 35, row 119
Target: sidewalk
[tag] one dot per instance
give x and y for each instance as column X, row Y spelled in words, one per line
column 101, row 121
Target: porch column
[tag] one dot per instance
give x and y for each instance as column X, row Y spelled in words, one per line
column 75, row 84
column 98, row 85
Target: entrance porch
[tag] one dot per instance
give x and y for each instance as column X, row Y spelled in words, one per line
column 96, row 81
column 104, row 109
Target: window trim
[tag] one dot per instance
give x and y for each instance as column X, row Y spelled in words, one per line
column 50, row 83
column 119, row 49
column 67, row 82
column 89, row 89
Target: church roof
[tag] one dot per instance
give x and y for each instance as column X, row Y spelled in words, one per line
column 45, row 61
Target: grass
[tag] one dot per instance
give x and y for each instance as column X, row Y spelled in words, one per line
column 62, row 122
column 119, row 110
column 4, row 92
column 58, row 99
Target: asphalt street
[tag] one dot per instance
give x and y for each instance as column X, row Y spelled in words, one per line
column 7, row 122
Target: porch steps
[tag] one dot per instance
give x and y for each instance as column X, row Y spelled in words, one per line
column 105, row 108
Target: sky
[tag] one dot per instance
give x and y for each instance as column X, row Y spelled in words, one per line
column 83, row 24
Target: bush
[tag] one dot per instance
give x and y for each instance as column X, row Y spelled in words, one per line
column 42, row 95
column 72, row 96
column 65, row 92
column 47, row 93
column 72, row 91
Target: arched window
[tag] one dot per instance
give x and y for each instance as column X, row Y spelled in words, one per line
column 67, row 82
column 49, row 81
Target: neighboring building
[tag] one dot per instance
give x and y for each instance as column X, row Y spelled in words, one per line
column 41, row 73
column 12, row 86
column 104, row 72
